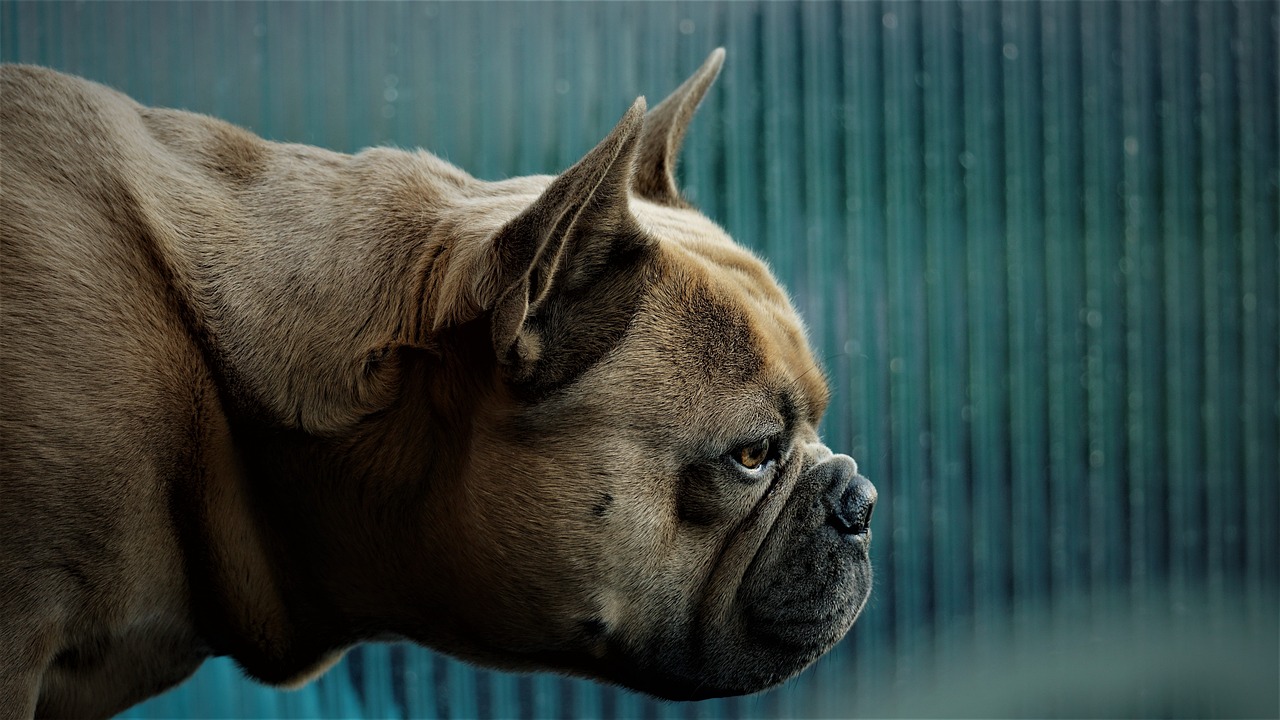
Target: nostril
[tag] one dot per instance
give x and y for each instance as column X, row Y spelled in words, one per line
column 864, row 514
column 853, row 515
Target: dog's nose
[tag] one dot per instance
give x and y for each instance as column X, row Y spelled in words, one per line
column 850, row 498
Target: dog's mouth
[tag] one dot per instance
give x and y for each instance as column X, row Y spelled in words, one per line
column 808, row 580
column 765, row 648
column 810, row 603
column 771, row 604
column 739, row 555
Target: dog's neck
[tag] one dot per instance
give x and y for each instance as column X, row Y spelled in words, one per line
column 316, row 316
column 307, row 545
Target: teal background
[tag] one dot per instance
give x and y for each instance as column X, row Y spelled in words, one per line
column 1036, row 247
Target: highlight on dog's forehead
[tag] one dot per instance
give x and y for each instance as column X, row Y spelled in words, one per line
column 738, row 295
column 707, row 245
column 678, row 224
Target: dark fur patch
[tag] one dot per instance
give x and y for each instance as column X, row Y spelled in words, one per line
column 600, row 508
column 234, row 154
column 699, row 500
column 720, row 336
column 593, row 627
column 81, row 657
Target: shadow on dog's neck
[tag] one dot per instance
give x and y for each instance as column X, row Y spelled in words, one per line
column 288, row 550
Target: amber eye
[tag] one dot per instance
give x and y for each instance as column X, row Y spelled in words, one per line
column 752, row 456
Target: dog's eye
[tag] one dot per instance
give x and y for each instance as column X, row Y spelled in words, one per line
column 752, row 456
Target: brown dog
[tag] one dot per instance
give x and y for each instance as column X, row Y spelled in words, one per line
column 269, row 401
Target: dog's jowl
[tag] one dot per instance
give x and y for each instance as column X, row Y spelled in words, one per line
column 268, row 401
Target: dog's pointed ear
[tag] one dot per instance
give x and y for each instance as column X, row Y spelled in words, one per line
column 664, row 130
column 567, row 233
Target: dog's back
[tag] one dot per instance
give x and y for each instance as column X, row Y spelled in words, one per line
column 98, row 371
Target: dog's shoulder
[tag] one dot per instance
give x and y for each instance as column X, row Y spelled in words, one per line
column 44, row 108
column 50, row 119
column 28, row 88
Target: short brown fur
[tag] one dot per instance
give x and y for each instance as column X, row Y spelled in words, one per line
column 269, row 401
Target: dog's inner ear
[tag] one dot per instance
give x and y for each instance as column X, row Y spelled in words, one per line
column 664, row 130
column 553, row 254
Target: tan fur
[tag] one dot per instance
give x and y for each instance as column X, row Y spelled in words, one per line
column 269, row 401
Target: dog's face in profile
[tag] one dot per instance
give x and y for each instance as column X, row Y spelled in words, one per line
column 667, row 518
column 710, row 544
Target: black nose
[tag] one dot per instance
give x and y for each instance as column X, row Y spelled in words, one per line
column 851, row 498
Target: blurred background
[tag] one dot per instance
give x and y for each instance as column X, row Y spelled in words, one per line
column 1036, row 246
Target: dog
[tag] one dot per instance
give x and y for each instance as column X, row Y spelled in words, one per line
column 267, row 401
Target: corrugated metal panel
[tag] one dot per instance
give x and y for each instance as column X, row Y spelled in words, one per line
column 1037, row 249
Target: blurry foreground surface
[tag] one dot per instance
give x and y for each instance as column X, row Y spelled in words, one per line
column 1105, row 661
column 1036, row 246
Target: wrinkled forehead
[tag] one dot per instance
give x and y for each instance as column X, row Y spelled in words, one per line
column 717, row 310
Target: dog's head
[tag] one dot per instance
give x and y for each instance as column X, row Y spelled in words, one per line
column 646, row 499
